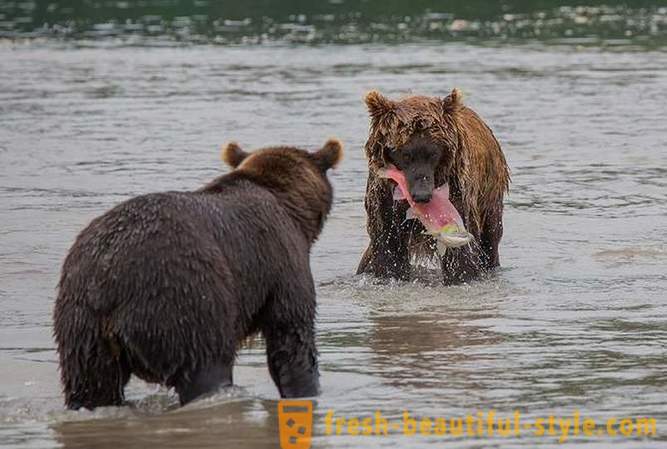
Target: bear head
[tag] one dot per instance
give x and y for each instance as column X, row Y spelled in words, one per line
column 418, row 135
column 296, row 176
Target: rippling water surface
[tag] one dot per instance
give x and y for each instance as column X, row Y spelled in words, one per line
column 575, row 319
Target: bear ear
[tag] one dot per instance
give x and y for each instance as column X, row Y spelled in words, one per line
column 329, row 155
column 378, row 105
column 233, row 155
column 452, row 101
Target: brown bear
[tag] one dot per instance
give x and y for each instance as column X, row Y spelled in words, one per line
column 433, row 141
column 166, row 285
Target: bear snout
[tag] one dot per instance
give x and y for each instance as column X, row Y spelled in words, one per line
column 421, row 197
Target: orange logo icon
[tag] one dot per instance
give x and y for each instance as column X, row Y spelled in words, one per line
column 295, row 423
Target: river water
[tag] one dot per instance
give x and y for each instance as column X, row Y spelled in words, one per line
column 576, row 319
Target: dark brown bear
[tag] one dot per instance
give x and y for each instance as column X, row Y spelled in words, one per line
column 433, row 141
column 165, row 286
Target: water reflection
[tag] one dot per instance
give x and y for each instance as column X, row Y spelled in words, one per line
column 423, row 350
column 240, row 423
column 199, row 21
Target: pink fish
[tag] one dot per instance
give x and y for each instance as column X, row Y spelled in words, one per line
column 439, row 216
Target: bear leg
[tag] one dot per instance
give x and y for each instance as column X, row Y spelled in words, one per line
column 389, row 259
column 94, row 371
column 492, row 233
column 290, row 343
column 293, row 365
column 462, row 264
column 387, row 255
column 205, row 380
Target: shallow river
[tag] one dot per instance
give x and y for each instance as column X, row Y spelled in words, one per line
column 576, row 319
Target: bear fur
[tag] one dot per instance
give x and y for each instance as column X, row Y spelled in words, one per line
column 166, row 285
column 473, row 164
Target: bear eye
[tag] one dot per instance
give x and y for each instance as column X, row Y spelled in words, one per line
column 393, row 155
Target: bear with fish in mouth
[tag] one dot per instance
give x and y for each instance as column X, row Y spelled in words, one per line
column 442, row 158
column 165, row 286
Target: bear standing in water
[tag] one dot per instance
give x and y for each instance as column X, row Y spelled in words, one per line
column 165, row 286
column 438, row 145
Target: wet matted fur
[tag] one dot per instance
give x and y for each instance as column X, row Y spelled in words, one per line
column 167, row 285
column 472, row 163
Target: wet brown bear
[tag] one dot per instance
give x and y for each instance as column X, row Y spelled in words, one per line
column 166, row 285
column 433, row 141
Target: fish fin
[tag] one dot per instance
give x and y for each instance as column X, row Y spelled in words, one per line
column 441, row 247
column 410, row 214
